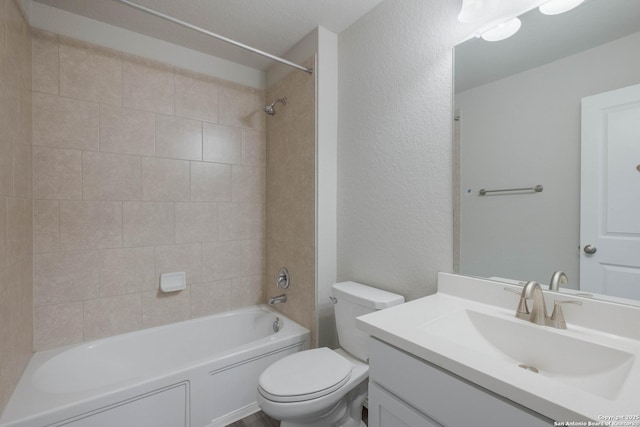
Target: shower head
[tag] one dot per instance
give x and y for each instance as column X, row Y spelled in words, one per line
column 269, row 108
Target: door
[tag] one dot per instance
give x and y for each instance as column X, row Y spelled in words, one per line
column 610, row 193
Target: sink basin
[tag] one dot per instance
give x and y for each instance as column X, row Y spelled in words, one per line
column 591, row 367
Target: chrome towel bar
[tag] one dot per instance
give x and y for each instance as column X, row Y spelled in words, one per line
column 537, row 189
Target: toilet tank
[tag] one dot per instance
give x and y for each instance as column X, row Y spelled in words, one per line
column 353, row 300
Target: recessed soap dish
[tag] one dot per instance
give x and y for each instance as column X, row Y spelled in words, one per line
column 173, row 282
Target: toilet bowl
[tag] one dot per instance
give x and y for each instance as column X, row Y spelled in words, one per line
column 323, row 387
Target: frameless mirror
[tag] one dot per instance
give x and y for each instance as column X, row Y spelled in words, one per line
column 522, row 120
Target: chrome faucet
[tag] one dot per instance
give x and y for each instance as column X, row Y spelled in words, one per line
column 558, row 278
column 538, row 313
column 278, row 300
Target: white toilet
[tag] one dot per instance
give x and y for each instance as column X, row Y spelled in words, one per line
column 323, row 387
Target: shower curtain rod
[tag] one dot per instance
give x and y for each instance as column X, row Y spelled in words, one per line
column 216, row 36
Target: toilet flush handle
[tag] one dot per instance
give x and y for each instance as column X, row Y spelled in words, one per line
column 333, row 299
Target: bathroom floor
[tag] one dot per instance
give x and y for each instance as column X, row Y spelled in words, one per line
column 260, row 419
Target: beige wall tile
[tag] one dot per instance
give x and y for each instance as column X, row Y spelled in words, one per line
column 147, row 85
column 254, row 147
column 242, row 106
column 3, row 234
column 57, row 174
column 196, row 97
column 248, row 184
column 165, row 179
column 127, row 270
column 291, row 183
column 46, row 235
column 22, row 170
column 178, row 138
column 247, row 291
column 19, row 229
column 16, row 226
column 222, row 144
column 57, row 325
column 45, row 62
column 110, row 176
column 231, row 259
column 90, row 72
column 242, row 221
column 6, row 166
column 296, row 225
column 210, row 182
column 18, row 43
column 175, row 258
column 210, row 298
column 159, row 308
column 196, row 222
column 90, row 225
column 65, row 277
column 65, row 122
column 16, row 314
column 104, row 317
column 127, row 131
column 148, row 223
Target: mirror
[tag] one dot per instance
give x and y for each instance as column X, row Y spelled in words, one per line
column 518, row 125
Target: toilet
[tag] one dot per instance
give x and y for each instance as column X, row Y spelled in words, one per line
column 323, row 387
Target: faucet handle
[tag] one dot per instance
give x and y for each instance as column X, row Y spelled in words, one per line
column 557, row 316
column 522, row 312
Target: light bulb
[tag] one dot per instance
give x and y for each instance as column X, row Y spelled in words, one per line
column 502, row 31
column 555, row 7
column 477, row 10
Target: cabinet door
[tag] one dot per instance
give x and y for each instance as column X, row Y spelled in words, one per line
column 386, row 410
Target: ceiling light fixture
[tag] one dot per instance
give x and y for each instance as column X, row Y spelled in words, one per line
column 555, row 7
column 502, row 31
column 477, row 10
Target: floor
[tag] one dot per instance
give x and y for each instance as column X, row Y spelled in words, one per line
column 260, row 419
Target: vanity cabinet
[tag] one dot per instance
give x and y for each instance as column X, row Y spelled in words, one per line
column 407, row 391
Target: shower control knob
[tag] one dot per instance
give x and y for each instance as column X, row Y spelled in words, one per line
column 590, row 249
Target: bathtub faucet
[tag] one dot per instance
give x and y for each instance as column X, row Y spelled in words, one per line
column 278, row 300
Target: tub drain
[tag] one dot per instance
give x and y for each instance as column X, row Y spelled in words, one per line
column 529, row 368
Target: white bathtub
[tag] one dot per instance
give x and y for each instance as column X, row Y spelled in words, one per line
column 198, row 373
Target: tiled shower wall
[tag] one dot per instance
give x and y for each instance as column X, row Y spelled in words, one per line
column 16, row 231
column 140, row 169
column 291, row 173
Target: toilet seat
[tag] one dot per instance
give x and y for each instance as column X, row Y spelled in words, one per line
column 304, row 376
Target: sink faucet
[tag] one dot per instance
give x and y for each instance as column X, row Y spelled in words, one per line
column 278, row 300
column 538, row 313
column 558, row 278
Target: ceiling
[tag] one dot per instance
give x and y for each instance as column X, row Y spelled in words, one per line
column 273, row 26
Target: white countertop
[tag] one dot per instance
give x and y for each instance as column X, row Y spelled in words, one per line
column 410, row 327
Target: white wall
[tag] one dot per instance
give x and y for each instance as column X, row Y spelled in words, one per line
column 394, row 146
column 512, row 136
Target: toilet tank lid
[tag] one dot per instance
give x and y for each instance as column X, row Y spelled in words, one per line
column 366, row 296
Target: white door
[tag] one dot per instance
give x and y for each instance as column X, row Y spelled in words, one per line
column 610, row 193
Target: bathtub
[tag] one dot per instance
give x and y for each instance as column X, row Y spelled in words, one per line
column 197, row 373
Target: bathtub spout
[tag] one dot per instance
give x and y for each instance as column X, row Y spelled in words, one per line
column 278, row 300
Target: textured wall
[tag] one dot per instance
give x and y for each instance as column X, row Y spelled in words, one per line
column 16, row 231
column 291, row 196
column 394, row 139
column 140, row 169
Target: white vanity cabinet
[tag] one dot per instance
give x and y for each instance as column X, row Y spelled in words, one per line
column 407, row 391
